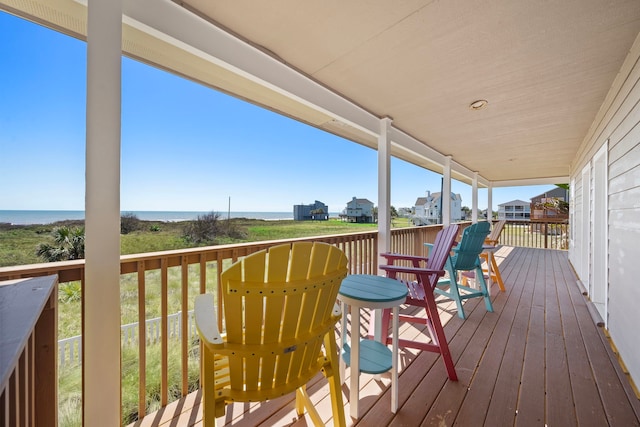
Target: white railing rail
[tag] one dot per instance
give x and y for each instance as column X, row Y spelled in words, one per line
column 70, row 349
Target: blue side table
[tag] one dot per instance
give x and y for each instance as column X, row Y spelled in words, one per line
column 369, row 356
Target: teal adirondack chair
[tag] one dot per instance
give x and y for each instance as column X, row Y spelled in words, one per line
column 466, row 258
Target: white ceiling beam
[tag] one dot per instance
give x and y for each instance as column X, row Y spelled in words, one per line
column 409, row 143
column 176, row 25
column 533, row 181
column 463, row 170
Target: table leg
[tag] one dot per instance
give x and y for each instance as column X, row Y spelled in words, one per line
column 489, row 280
column 355, row 361
column 496, row 272
column 394, row 361
column 487, row 256
column 343, row 341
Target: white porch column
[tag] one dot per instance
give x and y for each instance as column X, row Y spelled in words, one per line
column 445, row 197
column 474, row 198
column 101, row 321
column 489, row 202
column 384, row 205
column 384, row 190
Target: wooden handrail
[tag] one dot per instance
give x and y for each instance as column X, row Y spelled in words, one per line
column 28, row 368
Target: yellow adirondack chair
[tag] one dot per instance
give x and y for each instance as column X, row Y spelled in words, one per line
column 279, row 312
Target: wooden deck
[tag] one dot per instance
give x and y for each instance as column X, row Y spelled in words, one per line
column 538, row 359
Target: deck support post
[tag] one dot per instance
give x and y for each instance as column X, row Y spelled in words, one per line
column 490, row 202
column 474, row 198
column 384, row 203
column 445, row 197
column 384, row 189
column 101, row 291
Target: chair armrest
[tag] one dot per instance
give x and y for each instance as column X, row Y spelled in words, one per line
column 412, row 270
column 391, row 257
column 206, row 321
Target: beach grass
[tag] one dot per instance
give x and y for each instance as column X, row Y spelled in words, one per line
column 18, row 243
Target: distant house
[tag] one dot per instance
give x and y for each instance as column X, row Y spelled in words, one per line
column 427, row 209
column 359, row 210
column 515, row 210
column 405, row 212
column 317, row 211
column 552, row 204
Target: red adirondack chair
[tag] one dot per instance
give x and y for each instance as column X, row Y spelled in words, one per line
column 421, row 294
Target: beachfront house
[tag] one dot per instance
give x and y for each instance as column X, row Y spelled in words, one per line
column 552, row 204
column 427, row 210
column 359, row 210
column 489, row 94
column 317, row 211
column 515, row 210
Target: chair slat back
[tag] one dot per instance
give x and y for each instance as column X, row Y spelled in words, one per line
column 278, row 305
column 442, row 247
column 439, row 253
column 470, row 246
column 494, row 236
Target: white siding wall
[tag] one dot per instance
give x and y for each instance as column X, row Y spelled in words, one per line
column 576, row 225
column 619, row 122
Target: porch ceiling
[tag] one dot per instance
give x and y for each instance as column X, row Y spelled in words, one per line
column 544, row 68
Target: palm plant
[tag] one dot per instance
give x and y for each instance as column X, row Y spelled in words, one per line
column 68, row 244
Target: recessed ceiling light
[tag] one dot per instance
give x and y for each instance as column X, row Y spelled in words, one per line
column 479, row 104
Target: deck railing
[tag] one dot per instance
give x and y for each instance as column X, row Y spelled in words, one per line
column 167, row 282
column 28, row 373
column 70, row 349
column 547, row 234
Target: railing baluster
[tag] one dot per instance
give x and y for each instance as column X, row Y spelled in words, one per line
column 218, row 289
column 183, row 330
column 164, row 343
column 142, row 341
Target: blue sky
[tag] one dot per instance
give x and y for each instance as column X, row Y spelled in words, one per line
column 185, row 147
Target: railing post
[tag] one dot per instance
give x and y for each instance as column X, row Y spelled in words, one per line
column 546, row 227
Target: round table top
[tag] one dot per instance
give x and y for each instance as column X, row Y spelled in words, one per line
column 366, row 290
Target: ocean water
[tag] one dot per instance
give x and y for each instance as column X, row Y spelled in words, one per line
column 17, row 217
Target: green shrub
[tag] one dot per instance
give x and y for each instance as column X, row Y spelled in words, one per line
column 70, row 292
column 129, row 222
column 203, row 230
column 68, row 244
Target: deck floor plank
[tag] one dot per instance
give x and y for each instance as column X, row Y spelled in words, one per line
column 538, row 359
column 589, row 409
column 619, row 404
column 531, row 395
column 429, row 369
column 503, row 411
column 445, row 409
column 476, row 403
column 559, row 402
